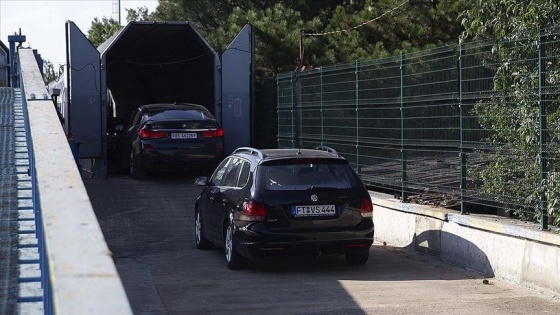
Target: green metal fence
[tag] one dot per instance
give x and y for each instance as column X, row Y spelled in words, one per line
column 470, row 126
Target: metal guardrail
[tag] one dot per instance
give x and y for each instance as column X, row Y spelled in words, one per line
column 78, row 275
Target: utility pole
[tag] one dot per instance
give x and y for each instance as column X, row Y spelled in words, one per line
column 117, row 10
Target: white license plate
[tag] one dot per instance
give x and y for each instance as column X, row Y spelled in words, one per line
column 183, row 135
column 313, row 211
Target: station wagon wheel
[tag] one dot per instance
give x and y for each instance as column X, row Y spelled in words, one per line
column 201, row 241
column 135, row 171
column 233, row 259
column 359, row 258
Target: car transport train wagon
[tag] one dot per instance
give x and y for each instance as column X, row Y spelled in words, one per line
column 153, row 62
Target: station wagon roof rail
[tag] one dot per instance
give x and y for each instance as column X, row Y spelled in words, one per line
column 328, row 149
column 249, row 150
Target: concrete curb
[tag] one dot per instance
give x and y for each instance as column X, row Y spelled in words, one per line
column 494, row 225
column 395, row 204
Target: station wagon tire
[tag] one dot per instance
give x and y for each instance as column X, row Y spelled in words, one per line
column 359, row 258
column 233, row 259
column 200, row 241
column 136, row 172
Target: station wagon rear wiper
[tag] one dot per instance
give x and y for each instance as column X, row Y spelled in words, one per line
column 313, row 187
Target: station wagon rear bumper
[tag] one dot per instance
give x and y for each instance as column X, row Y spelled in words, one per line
column 252, row 244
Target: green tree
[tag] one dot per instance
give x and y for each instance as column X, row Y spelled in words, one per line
column 50, row 74
column 413, row 24
column 101, row 30
column 374, row 29
column 210, row 14
column 277, row 32
column 507, row 19
column 512, row 114
column 140, row 14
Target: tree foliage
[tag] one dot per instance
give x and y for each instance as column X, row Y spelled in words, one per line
column 415, row 25
column 512, row 115
column 50, row 74
column 101, row 30
column 503, row 19
column 140, row 14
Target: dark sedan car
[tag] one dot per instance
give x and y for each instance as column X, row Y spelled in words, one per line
column 169, row 136
column 260, row 203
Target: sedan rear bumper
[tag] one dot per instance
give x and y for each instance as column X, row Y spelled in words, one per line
column 155, row 160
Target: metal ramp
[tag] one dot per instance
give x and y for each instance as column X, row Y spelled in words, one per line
column 8, row 205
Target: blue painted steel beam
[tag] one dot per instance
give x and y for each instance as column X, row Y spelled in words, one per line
column 13, row 39
column 33, row 245
column 29, row 299
column 28, row 261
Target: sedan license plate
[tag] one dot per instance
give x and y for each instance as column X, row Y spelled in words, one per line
column 183, row 135
column 313, row 211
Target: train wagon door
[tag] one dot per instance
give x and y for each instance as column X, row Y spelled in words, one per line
column 238, row 62
column 83, row 111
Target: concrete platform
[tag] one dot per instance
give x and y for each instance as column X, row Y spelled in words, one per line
column 503, row 248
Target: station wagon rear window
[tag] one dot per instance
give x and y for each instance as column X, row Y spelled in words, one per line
column 305, row 176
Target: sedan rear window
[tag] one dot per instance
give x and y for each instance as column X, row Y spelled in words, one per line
column 307, row 176
column 183, row 124
column 186, row 114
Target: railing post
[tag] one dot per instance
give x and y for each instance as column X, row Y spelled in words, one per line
column 294, row 108
column 542, row 134
column 278, row 110
column 321, row 107
column 462, row 155
column 357, row 87
column 404, row 196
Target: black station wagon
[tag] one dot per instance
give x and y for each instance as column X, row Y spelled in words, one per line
column 261, row 203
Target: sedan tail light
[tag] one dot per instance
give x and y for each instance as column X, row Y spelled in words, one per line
column 213, row 133
column 366, row 209
column 146, row 133
column 253, row 211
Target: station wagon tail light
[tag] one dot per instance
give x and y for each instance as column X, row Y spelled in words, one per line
column 146, row 133
column 366, row 209
column 213, row 133
column 253, row 211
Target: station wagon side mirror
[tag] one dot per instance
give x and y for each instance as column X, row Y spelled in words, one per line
column 201, row 181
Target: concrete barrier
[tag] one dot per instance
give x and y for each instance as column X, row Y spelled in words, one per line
column 498, row 247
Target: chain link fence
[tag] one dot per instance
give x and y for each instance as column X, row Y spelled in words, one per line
column 472, row 126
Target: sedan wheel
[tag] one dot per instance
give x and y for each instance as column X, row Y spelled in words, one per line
column 233, row 259
column 201, row 241
column 135, row 171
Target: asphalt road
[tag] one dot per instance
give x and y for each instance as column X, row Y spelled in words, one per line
column 149, row 226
